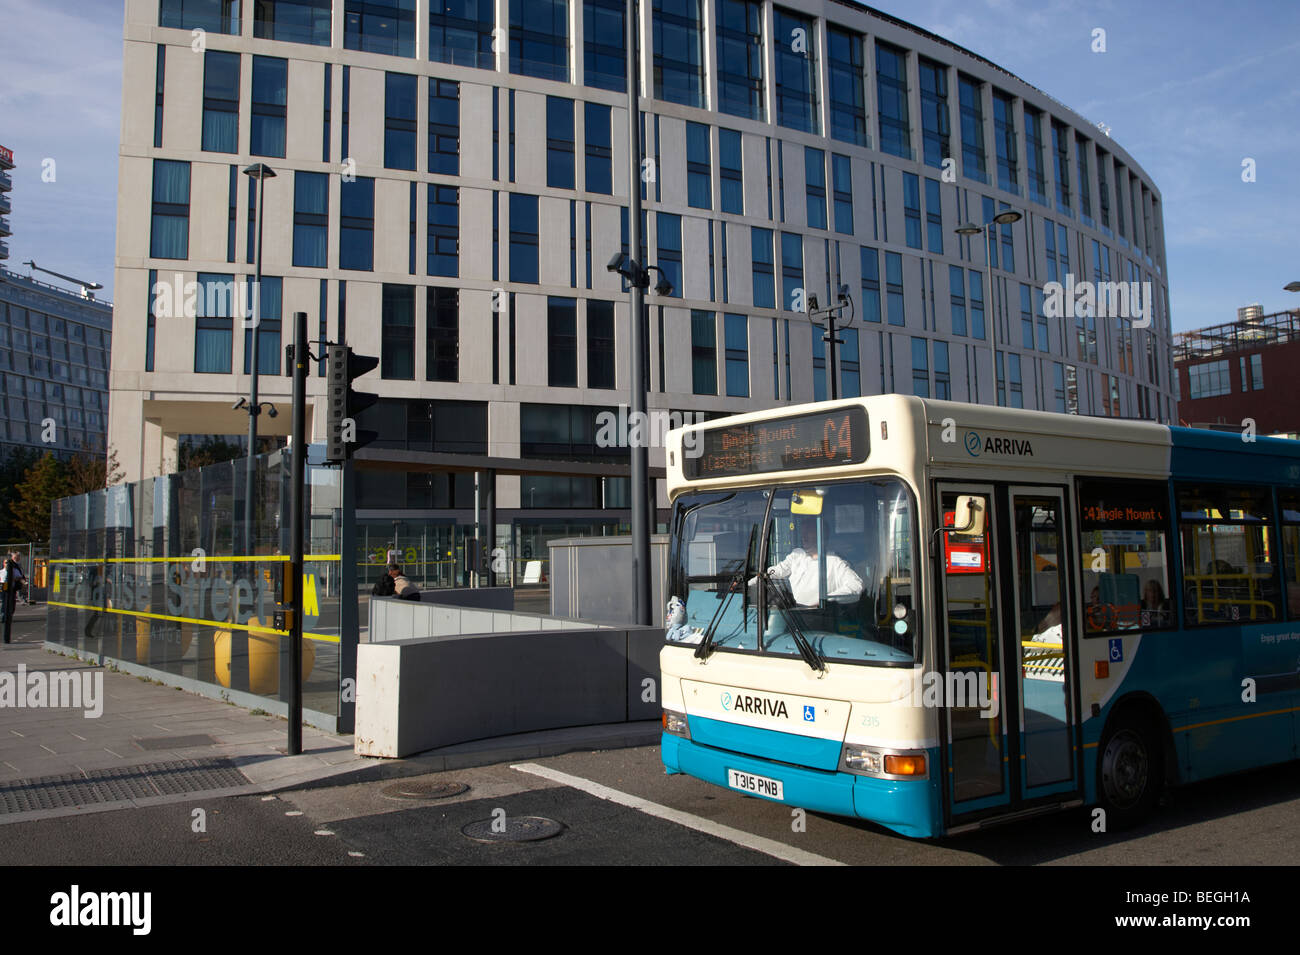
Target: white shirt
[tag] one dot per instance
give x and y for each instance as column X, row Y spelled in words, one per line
column 801, row 569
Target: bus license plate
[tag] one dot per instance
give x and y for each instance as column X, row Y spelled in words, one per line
column 757, row 785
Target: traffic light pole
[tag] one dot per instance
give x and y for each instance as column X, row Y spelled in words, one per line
column 301, row 362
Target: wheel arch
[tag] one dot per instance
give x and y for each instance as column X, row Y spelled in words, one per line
column 1140, row 706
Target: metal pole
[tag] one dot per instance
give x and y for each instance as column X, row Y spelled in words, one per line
column 990, row 309
column 490, row 507
column 830, row 339
column 250, row 468
column 636, row 333
column 296, row 495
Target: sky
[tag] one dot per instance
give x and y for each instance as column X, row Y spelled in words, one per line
column 1189, row 88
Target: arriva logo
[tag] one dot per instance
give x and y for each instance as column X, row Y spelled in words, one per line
column 726, row 701
column 973, row 443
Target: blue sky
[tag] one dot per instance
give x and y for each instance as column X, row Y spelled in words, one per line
column 1189, row 89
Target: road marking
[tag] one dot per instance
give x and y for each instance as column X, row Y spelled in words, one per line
column 746, row 839
column 82, row 738
column 357, row 855
column 294, row 812
column 323, row 832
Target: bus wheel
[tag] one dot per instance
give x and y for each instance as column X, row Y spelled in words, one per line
column 1130, row 772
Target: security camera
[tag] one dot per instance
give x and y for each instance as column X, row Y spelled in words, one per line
column 663, row 286
column 270, row 411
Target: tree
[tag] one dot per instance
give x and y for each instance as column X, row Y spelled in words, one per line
column 88, row 471
column 44, row 483
column 12, row 470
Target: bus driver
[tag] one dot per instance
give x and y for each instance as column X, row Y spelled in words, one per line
column 801, row 567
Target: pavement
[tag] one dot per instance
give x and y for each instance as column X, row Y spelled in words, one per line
column 155, row 745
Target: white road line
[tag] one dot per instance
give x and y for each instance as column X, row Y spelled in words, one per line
column 747, row 839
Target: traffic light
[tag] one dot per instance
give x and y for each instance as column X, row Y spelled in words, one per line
column 343, row 405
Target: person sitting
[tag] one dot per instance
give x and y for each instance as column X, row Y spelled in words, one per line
column 1050, row 629
column 403, row 589
column 384, row 585
column 1155, row 605
column 802, row 569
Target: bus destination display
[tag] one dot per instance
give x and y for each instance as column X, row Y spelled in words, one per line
column 821, row 440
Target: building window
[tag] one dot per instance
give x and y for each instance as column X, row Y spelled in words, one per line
column 397, row 333
column 814, row 166
column 942, row 376
column 920, row 368
column 213, row 16
column 444, row 231
column 933, row 216
column 792, row 271
column 160, row 69
column 737, row 355
column 442, row 334
column 1034, row 155
column 912, row 209
column 847, row 89
column 214, row 309
column 870, row 285
column 704, row 353
column 679, row 51
column 1004, row 141
column 604, row 37
column 1085, row 180
column 170, row 225
column 270, row 91
column 310, row 219
column 763, row 262
column 1061, row 148
column 818, row 363
column 1208, row 379
column 891, row 94
column 444, row 127
column 936, row 131
column 740, row 58
column 1041, row 315
column 1058, row 386
column 293, row 21
column 850, row 365
column 976, row 280
column 973, row 164
column 460, row 32
column 600, row 169
column 562, row 342
column 1026, row 317
column 220, row 102
column 559, row 142
column 699, row 180
column 731, row 171
column 1256, row 372
column 600, row 344
column 796, row 71
column 151, row 322
column 399, row 121
column 268, row 297
column 232, row 213
column 843, row 183
column 1103, row 191
column 380, row 26
column 539, row 39
column 957, row 298
column 669, row 229
column 357, row 224
column 523, row 238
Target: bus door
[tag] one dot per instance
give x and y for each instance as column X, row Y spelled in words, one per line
column 1040, row 631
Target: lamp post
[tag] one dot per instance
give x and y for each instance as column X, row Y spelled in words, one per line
column 832, row 313
column 260, row 172
column 1002, row 218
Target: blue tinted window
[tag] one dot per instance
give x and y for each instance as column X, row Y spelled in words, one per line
column 442, row 334
column 559, row 142
column 160, row 68
column 936, row 134
column 539, row 39
column 268, row 298
column 444, row 127
column 679, row 51
column 1034, row 155
column 894, row 288
column 1085, row 181
column 870, row 285
column 214, row 16
column 357, row 224
column 737, row 343
column 460, row 32
column 912, row 209
column 957, row 298
column 764, row 276
column 891, row 94
column 731, row 171
column 604, row 64
column 850, row 365
column 294, row 21
column 976, row 280
column 920, row 368
column 220, row 102
column 1061, row 150
column 740, row 58
column 791, row 270
column 814, row 164
column 270, row 94
column 972, row 129
column 847, row 93
column 523, row 238
column 942, row 377
column 380, row 26
column 1004, row 140
column 600, row 344
column 232, row 213
column 215, row 305
column 399, row 121
column 843, row 184
column 933, row 216
column 600, row 170
column 794, row 39
column 669, row 229
column 444, row 231
column 562, row 342
column 397, row 332
column 170, row 225
column 699, row 181
column 704, row 353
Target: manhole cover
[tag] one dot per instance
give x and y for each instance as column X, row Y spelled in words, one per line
column 513, row 829
column 426, row 790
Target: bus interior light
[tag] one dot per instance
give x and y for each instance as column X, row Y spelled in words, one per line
column 905, row 765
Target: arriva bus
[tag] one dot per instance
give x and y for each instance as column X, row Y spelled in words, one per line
column 938, row 616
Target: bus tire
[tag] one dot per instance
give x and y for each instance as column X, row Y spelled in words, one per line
column 1130, row 771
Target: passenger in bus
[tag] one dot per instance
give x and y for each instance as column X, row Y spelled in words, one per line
column 1156, row 607
column 801, row 568
column 1049, row 629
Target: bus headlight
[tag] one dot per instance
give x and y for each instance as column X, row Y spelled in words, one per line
column 862, row 760
column 868, row 761
column 675, row 723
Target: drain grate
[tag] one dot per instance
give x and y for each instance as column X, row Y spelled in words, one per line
column 71, row 790
column 176, row 742
column 513, row 829
column 424, row 790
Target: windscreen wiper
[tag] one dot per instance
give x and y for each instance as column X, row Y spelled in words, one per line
column 739, row 579
column 779, row 600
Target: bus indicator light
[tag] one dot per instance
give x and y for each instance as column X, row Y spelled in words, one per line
column 1101, row 669
column 905, row 765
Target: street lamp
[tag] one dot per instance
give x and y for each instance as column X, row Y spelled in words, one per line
column 1006, row 217
column 832, row 313
column 1291, row 287
column 261, row 172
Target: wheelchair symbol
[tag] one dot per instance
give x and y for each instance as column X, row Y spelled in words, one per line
column 1116, row 651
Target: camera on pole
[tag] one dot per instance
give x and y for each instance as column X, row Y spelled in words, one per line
column 343, row 405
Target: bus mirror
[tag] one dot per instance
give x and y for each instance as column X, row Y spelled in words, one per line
column 969, row 518
column 805, row 502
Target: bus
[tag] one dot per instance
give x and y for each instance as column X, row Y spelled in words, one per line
column 940, row 616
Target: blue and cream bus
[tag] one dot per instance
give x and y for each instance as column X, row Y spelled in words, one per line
column 939, row 616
